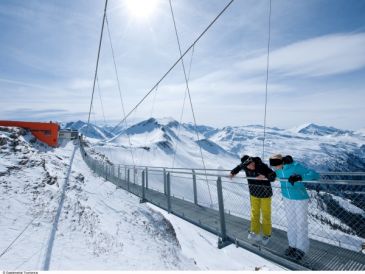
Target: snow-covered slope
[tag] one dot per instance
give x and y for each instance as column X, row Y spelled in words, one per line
column 101, row 227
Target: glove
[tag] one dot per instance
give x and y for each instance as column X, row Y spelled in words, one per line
column 295, row 178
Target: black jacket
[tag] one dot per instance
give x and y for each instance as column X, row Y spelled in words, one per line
column 258, row 188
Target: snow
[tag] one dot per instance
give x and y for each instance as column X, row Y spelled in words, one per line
column 101, row 227
column 346, row 204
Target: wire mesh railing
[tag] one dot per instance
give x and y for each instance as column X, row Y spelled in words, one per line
column 333, row 215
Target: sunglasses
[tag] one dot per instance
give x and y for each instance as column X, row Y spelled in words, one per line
column 248, row 161
column 276, row 162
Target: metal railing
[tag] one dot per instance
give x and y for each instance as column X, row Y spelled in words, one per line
column 336, row 205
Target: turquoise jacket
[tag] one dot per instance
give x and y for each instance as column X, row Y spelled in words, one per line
column 296, row 191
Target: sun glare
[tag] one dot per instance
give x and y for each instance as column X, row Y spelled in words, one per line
column 142, row 9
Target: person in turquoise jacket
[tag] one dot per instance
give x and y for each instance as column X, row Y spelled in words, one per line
column 295, row 196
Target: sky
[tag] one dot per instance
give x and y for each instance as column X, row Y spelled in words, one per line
column 48, row 54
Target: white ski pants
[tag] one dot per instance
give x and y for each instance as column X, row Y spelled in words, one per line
column 297, row 218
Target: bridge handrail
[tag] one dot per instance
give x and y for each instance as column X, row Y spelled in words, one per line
column 326, row 173
column 189, row 171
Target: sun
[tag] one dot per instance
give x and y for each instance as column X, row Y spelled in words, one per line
column 142, row 9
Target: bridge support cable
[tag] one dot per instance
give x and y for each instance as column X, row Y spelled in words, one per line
column 183, row 107
column 190, row 100
column 52, row 236
column 151, row 114
column 97, row 64
column 119, row 89
column 176, row 62
column 16, row 238
column 267, row 79
column 103, row 113
column 101, row 101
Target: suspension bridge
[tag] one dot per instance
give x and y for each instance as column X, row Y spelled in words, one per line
column 331, row 246
column 208, row 200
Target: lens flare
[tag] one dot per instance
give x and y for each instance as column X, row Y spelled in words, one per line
column 142, row 9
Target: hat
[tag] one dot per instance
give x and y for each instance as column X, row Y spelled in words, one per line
column 287, row 160
column 246, row 160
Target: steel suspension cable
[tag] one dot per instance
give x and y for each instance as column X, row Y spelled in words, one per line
column 102, row 109
column 97, row 64
column 177, row 61
column 152, row 109
column 20, row 234
column 267, row 80
column 190, row 100
column 183, row 107
column 101, row 101
column 119, row 89
column 154, row 101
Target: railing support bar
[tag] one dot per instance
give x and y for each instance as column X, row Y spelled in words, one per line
column 223, row 240
column 143, row 198
column 168, row 191
column 194, row 188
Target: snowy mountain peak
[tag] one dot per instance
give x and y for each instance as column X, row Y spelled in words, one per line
column 314, row 129
column 144, row 126
column 91, row 130
column 151, row 125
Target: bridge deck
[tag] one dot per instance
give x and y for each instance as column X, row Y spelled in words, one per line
column 322, row 256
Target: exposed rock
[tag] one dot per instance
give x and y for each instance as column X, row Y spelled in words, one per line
column 3, row 141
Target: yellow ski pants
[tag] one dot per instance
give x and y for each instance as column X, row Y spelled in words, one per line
column 263, row 206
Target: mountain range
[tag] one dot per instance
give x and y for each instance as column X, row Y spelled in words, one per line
column 167, row 142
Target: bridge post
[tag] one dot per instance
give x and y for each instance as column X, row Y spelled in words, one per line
column 118, row 179
column 125, row 174
column 222, row 241
column 194, row 188
column 146, row 177
column 134, row 174
column 164, row 181
column 128, row 178
column 168, row 192
column 143, row 199
column 112, row 173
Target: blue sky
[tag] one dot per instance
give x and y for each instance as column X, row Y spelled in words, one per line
column 48, row 53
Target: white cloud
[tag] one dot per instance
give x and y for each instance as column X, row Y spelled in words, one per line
column 221, row 83
column 325, row 55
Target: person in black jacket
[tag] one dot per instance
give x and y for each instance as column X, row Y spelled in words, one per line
column 259, row 181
